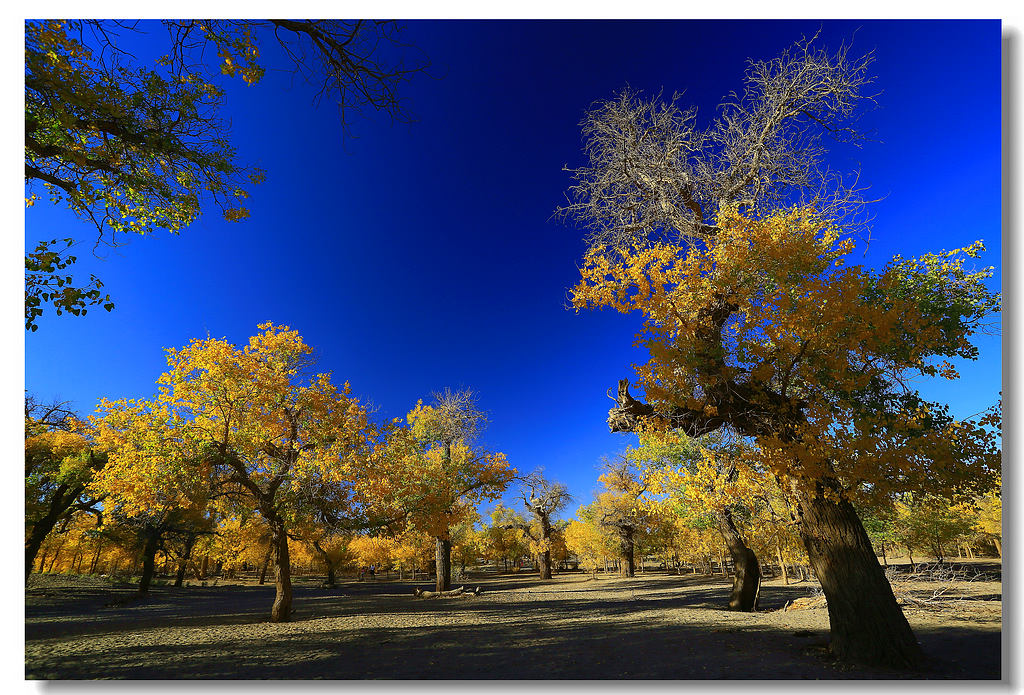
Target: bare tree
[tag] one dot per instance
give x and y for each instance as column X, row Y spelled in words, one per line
column 653, row 174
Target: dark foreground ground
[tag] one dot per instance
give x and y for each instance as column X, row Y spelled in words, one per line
column 656, row 626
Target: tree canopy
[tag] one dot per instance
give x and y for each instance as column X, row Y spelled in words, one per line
column 131, row 149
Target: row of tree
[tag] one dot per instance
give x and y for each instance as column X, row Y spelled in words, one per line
column 251, row 434
column 225, row 549
column 696, row 501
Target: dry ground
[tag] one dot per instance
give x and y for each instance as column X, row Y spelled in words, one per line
column 657, row 626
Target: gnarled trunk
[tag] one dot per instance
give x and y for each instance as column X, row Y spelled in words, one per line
column 443, row 564
column 35, row 541
column 628, row 548
column 544, row 564
column 282, row 608
column 867, row 624
column 59, row 504
column 747, row 581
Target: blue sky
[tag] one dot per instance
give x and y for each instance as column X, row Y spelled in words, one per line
column 415, row 257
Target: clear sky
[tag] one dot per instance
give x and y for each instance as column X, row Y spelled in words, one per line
column 424, row 256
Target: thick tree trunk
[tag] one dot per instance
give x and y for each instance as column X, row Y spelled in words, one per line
column 282, row 608
column 443, row 564
column 746, row 583
column 628, row 566
column 148, row 558
column 35, row 540
column 544, row 564
column 867, row 625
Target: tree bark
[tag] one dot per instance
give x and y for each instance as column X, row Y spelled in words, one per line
column 96, row 557
column 628, row 547
column 35, row 539
column 782, row 565
column 325, row 556
column 190, row 541
column 867, row 625
column 266, row 563
column 443, row 563
column 746, row 583
column 282, row 608
column 148, row 558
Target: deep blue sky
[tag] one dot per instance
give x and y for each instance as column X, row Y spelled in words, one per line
column 423, row 256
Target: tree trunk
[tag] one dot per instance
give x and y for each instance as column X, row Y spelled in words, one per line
column 282, row 608
column 866, row 623
column 782, row 565
column 999, row 547
column 266, row 563
column 204, row 567
column 96, row 557
column 56, row 553
column 325, row 556
column 443, row 564
column 544, row 564
column 190, row 541
column 148, row 558
column 628, row 566
column 35, row 540
column 746, row 583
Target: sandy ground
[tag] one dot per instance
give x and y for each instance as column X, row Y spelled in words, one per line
column 656, row 626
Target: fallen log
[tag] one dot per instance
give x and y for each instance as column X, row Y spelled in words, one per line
column 420, row 593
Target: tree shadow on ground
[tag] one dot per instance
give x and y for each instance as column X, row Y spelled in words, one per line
column 518, row 629
column 591, row 649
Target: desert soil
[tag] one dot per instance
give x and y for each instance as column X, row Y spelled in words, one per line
column 654, row 626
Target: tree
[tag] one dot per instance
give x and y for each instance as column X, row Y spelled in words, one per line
column 990, row 515
column 374, row 551
column 932, row 522
column 59, row 464
column 811, row 360
column 445, row 476
column 134, row 149
column 753, row 321
column 268, row 437
column 504, row 538
column 591, row 543
column 619, row 509
column 715, row 474
column 542, row 498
